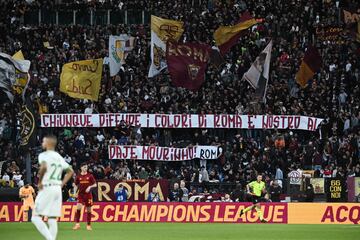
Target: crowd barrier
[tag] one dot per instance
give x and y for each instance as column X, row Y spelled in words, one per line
column 215, row 212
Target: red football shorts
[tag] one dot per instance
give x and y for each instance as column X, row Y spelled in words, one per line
column 85, row 199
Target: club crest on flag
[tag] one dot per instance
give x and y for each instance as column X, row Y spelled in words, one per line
column 27, row 126
column 168, row 32
column 119, row 46
column 159, row 56
column 193, row 71
column 119, row 49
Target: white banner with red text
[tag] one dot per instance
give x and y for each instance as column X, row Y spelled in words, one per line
column 163, row 153
column 182, row 121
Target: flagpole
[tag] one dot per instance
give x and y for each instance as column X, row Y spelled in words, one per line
column 28, row 167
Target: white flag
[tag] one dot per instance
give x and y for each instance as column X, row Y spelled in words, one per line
column 118, row 47
column 9, row 69
column 258, row 74
column 260, row 67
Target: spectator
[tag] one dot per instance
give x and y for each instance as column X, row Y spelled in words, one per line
column 16, row 177
column 72, row 193
column 6, row 177
column 309, row 194
column 13, row 167
column 174, row 195
column 143, row 174
column 203, row 175
column 153, row 196
column 238, row 195
column 183, row 192
column 121, row 194
column 275, row 191
column 227, row 198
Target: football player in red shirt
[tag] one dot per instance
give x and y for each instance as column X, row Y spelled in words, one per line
column 85, row 182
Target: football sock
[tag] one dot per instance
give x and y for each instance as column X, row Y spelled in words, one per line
column 77, row 216
column 41, row 227
column 26, row 216
column 53, row 227
column 248, row 209
column 259, row 213
column 88, row 217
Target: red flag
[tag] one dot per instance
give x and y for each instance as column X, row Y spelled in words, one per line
column 187, row 63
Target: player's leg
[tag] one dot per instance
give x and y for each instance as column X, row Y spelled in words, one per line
column 246, row 210
column 259, row 212
column 254, row 201
column 88, row 218
column 26, row 215
column 53, row 227
column 30, row 214
column 41, row 227
column 57, row 206
column 78, row 215
column 88, row 205
column 40, row 206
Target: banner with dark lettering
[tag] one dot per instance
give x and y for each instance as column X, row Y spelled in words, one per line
column 182, row 121
column 323, row 213
column 187, row 63
column 82, row 79
column 351, row 15
column 336, row 190
column 138, row 190
column 331, row 34
column 163, row 153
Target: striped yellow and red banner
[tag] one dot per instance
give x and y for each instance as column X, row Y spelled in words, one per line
column 310, row 64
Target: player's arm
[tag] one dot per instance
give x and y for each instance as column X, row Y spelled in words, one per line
column 248, row 186
column 67, row 177
column 33, row 192
column 42, row 172
column 21, row 194
column 92, row 179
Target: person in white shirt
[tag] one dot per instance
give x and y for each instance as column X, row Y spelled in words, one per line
column 16, row 177
column 6, row 177
column 67, row 159
column 89, row 109
column 100, row 137
column 49, row 199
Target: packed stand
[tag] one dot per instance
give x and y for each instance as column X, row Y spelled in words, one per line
column 333, row 95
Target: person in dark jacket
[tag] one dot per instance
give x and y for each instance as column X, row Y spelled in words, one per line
column 275, row 191
column 309, row 193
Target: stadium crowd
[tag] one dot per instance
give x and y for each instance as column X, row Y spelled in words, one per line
column 333, row 94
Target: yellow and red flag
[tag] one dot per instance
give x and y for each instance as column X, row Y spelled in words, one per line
column 227, row 36
column 310, row 64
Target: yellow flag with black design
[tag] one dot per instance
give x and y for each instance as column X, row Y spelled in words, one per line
column 162, row 30
column 82, row 79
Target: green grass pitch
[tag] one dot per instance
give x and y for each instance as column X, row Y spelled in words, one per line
column 186, row 231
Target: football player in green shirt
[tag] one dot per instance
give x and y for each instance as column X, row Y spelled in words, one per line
column 258, row 188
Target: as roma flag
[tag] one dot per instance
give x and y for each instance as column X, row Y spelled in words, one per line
column 187, row 63
column 227, row 36
column 310, row 64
